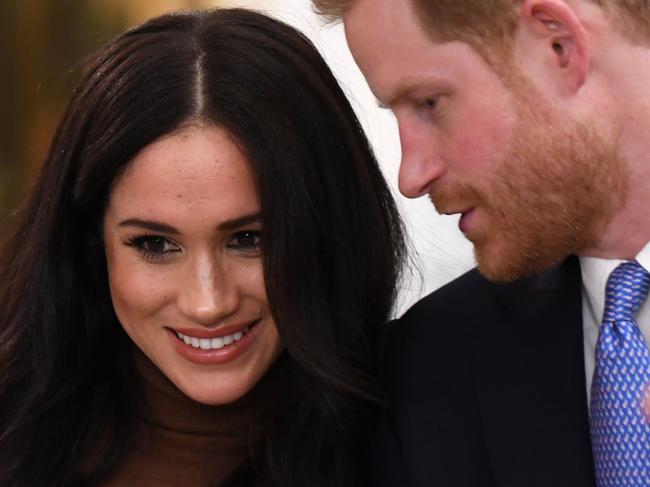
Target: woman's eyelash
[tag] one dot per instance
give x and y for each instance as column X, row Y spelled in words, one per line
column 157, row 247
column 247, row 241
column 153, row 247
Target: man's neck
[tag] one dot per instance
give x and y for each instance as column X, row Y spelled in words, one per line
column 629, row 230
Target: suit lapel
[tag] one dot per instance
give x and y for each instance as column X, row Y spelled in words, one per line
column 531, row 383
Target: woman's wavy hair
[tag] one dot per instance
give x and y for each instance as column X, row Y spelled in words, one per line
column 333, row 248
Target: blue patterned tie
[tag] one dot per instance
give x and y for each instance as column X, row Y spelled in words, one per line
column 620, row 433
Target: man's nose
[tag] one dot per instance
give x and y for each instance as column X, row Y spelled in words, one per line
column 421, row 162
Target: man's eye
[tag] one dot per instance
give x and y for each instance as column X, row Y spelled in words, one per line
column 248, row 241
column 154, row 247
column 429, row 108
column 429, row 103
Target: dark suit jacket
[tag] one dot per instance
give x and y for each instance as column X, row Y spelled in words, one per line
column 487, row 384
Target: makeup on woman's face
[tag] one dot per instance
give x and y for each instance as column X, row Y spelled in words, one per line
column 183, row 242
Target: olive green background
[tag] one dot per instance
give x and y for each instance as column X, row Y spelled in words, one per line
column 42, row 46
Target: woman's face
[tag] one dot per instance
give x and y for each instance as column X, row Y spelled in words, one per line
column 183, row 244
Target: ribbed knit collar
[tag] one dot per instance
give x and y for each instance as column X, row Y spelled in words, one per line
column 166, row 407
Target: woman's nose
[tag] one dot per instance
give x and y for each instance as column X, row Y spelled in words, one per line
column 208, row 294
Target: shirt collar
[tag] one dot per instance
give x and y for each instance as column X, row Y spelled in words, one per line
column 595, row 272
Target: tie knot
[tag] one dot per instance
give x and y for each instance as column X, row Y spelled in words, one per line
column 627, row 288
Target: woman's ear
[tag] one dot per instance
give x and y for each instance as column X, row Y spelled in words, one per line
column 554, row 43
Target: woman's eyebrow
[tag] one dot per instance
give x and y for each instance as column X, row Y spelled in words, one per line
column 150, row 225
column 155, row 226
column 239, row 221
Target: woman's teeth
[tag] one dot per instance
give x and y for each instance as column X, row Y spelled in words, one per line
column 212, row 343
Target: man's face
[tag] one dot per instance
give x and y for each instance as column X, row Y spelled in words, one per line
column 532, row 184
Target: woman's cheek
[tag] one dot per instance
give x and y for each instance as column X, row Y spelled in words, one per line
column 137, row 290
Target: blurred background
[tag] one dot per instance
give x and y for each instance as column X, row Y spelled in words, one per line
column 43, row 44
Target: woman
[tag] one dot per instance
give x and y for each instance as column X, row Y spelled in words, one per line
column 146, row 338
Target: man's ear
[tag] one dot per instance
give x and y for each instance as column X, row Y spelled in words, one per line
column 553, row 43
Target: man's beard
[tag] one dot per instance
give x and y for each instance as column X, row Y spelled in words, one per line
column 556, row 190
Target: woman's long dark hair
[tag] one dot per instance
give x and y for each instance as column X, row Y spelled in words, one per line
column 333, row 248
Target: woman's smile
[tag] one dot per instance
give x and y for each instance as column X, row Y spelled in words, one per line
column 211, row 347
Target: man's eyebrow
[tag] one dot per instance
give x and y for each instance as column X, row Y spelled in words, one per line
column 155, row 226
column 405, row 90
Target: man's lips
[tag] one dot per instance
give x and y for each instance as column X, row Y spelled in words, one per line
column 218, row 332
column 464, row 223
column 466, row 213
column 456, row 211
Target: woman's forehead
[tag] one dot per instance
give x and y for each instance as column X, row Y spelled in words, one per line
column 196, row 173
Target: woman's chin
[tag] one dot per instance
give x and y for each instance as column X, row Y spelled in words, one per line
column 215, row 395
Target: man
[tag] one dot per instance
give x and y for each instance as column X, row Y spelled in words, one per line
column 530, row 119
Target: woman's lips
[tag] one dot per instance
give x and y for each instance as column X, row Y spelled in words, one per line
column 215, row 332
column 212, row 347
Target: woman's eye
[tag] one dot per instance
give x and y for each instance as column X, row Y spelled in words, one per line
column 248, row 241
column 154, row 247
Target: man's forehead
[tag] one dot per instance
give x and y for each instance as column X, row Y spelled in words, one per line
column 395, row 70
column 377, row 13
column 379, row 32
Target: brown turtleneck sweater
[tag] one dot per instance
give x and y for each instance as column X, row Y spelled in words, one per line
column 180, row 442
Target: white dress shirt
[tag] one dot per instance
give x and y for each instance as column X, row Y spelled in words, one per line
column 595, row 273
